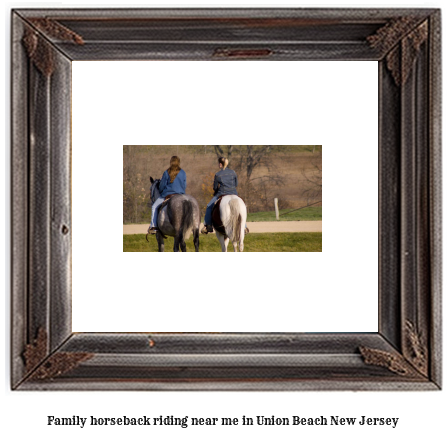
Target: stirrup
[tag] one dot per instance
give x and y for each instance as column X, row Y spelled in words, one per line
column 247, row 230
column 152, row 230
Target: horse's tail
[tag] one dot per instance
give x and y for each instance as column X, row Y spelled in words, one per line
column 234, row 226
column 188, row 219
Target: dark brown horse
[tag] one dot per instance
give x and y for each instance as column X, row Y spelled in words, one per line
column 178, row 217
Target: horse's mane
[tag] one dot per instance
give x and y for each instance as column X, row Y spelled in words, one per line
column 155, row 185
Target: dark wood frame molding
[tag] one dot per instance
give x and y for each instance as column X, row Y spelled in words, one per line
column 405, row 354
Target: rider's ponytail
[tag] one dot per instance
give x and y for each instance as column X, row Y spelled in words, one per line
column 174, row 168
column 223, row 161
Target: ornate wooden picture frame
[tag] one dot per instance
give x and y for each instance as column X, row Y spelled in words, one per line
column 405, row 353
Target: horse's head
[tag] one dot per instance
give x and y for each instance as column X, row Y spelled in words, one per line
column 155, row 192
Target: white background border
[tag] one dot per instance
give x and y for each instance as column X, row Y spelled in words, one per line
column 329, row 103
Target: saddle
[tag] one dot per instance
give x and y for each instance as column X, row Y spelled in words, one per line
column 165, row 202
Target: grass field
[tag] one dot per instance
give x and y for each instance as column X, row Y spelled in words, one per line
column 260, row 242
column 305, row 214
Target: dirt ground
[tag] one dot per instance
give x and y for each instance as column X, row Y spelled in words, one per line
column 254, row 227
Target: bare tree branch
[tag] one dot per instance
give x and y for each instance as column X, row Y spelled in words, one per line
column 221, row 153
column 314, row 180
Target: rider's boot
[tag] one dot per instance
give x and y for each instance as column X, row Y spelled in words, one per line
column 207, row 229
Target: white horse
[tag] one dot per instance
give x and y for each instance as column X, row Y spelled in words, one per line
column 229, row 220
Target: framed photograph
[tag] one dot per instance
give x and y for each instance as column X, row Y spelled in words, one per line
column 279, row 188
column 51, row 350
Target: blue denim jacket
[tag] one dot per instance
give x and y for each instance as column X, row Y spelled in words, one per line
column 177, row 186
column 225, row 182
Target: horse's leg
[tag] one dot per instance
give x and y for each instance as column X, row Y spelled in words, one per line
column 179, row 242
column 180, row 237
column 176, row 243
column 241, row 244
column 226, row 242
column 196, row 239
column 234, row 246
column 182, row 243
column 221, row 239
column 161, row 242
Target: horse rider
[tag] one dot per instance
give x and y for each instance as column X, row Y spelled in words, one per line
column 225, row 183
column 173, row 181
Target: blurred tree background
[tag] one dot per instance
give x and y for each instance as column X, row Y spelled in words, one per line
column 293, row 174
